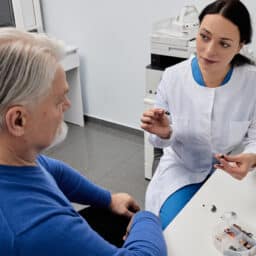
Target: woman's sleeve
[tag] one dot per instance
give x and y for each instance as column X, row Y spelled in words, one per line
column 162, row 102
column 249, row 142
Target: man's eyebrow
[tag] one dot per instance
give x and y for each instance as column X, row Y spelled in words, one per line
column 222, row 38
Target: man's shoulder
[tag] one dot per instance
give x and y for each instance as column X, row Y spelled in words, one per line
column 48, row 163
column 6, row 236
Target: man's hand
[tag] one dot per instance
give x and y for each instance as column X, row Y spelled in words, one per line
column 123, row 204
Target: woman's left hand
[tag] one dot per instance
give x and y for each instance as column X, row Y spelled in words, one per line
column 237, row 166
column 123, row 204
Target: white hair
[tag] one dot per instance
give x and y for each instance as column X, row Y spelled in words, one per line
column 28, row 62
column 60, row 135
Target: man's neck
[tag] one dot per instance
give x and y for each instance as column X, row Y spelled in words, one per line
column 12, row 154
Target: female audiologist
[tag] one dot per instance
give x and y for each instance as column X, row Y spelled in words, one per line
column 211, row 99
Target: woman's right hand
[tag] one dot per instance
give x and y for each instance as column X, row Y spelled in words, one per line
column 157, row 122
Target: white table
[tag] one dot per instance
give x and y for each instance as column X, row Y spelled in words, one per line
column 191, row 231
column 71, row 66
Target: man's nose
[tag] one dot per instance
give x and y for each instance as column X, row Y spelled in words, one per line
column 67, row 104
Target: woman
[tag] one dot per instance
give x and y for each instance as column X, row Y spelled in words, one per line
column 212, row 103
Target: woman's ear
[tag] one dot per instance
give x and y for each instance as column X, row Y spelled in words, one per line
column 15, row 120
column 241, row 45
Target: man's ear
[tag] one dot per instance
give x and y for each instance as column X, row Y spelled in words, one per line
column 15, row 120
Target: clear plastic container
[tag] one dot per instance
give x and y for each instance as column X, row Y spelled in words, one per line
column 233, row 237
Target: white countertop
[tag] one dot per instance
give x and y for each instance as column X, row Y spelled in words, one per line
column 191, row 231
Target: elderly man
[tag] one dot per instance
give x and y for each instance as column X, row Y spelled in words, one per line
column 36, row 216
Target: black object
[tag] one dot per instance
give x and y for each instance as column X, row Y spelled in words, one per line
column 214, row 208
column 6, row 14
column 162, row 62
column 158, row 152
column 108, row 225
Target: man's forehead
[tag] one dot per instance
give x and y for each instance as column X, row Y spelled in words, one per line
column 59, row 85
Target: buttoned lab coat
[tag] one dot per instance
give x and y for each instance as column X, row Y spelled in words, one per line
column 204, row 121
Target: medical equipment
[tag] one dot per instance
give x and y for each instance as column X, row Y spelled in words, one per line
column 176, row 36
column 233, row 238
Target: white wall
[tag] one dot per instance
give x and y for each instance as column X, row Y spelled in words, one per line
column 114, row 44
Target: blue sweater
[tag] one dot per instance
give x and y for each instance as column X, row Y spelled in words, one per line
column 37, row 218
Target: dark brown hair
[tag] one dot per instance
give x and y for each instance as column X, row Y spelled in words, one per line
column 236, row 12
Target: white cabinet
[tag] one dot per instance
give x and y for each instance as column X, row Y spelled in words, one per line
column 27, row 15
column 71, row 65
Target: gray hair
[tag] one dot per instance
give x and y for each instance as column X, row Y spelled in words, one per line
column 28, row 62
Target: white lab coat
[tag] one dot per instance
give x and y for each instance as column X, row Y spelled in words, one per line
column 204, row 121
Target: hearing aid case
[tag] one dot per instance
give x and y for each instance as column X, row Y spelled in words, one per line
column 232, row 237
